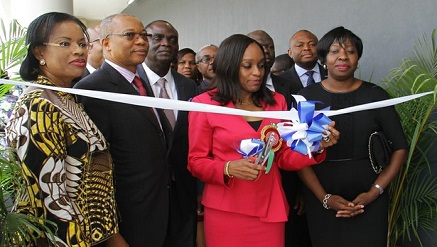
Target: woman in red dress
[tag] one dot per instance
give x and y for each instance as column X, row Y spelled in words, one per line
column 244, row 205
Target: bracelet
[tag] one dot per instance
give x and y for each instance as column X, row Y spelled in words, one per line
column 325, row 201
column 227, row 169
column 381, row 190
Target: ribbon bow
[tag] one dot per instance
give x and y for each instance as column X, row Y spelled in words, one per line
column 304, row 135
column 250, row 147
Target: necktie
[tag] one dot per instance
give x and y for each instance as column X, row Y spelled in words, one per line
column 139, row 84
column 163, row 94
column 310, row 80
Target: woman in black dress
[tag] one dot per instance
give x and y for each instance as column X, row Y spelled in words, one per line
column 345, row 199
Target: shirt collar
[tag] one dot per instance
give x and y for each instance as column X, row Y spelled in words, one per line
column 301, row 71
column 153, row 77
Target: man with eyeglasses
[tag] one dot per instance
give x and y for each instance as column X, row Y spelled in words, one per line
column 204, row 59
column 136, row 140
column 164, row 82
column 95, row 52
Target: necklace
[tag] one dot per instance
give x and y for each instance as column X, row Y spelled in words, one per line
column 245, row 103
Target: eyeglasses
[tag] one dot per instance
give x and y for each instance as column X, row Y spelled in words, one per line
column 66, row 44
column 206, row 59
column 156, row 38
column 95, row 40
column 131, row 35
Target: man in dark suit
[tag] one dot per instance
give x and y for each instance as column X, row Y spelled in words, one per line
column 136, row 135
column 296, row 229
column 303, row 51
column 164, row 46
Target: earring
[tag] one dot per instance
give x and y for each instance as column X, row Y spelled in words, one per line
column 42, row 62
column 325, row 67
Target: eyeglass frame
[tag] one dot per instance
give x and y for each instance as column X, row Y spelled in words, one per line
column 206, row 59
column 88, row 45
column 128, row 34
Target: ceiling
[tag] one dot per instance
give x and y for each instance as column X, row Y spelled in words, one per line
column 97, row 9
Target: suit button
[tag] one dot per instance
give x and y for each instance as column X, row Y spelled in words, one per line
column 160, row 133
column 168, row 187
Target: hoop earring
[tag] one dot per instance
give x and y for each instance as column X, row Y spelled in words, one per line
column 42, row 62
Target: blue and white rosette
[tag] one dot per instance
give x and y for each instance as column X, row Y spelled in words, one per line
column 250, row 147
column 303, row 135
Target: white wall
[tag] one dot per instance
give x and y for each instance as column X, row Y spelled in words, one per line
column 388, row 28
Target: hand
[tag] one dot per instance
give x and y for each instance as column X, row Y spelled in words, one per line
column 332, row 138
column 299, row 205
column 366, row 198
column 344, row 208
column 116, row 241
column 244, row 169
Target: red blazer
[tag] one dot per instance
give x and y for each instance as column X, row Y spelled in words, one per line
column 211, row 144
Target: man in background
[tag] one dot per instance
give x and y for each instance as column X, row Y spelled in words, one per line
column 95, row 52
column 204, row 59
column 306, row 70
column 164, row 82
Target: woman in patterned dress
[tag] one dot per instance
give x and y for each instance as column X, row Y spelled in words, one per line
column 65, row 160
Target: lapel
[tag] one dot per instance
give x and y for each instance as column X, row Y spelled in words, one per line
column 297, row 84
column 121, row 85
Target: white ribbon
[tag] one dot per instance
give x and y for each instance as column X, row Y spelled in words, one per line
column 193, row 106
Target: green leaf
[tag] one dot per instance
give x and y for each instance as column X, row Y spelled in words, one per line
column 414, row 191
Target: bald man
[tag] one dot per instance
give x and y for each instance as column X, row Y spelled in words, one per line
column 204, row 59
column 303, row 51
column 95, row 52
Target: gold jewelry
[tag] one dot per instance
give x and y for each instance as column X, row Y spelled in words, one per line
column 227, row 169
column 245, row 103
column 42, row 62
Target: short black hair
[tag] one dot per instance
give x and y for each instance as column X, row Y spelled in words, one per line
column 185, row 51
column 226, row 66
column 38, row 33
column 341, row 35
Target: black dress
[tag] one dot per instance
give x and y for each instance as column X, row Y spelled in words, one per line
column 347, row 170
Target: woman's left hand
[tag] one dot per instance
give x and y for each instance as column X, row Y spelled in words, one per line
column 365, row 198
column 332, row 138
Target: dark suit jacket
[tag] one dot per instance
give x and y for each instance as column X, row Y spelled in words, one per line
column 296, row 84
column 296, row 230
column 183, row 196
column 283, row 86
column 139, row 149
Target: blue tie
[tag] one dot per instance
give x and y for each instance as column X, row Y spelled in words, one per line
column 310, row 80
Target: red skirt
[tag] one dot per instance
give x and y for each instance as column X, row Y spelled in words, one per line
column 226, row 229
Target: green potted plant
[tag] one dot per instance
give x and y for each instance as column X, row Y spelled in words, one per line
column 414, row 191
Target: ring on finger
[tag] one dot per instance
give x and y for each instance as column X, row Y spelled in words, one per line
column 326, row 138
